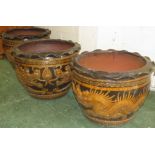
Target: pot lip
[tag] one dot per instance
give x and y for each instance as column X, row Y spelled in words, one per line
column 146, row 69
column 6, row 35
column 47, row 55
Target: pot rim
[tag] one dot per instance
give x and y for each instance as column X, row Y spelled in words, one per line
column 146, row 69
column 53, row 54
column 6, row 35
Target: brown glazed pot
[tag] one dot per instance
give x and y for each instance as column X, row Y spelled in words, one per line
column 15, row 37
column 43, row 66
column 3, row 29
column 111, row 85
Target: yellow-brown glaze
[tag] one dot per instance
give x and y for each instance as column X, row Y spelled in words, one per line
column 10, row 44
column 44, row 75
column 3, row 29
column 110, row 98
column 99, row 103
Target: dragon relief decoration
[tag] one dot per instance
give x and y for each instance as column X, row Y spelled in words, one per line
column 45, row 80
column 110, row 94
column 102, row 105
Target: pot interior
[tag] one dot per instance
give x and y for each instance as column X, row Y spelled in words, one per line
column 45, row 46
column 111, row 61
column 25, row 32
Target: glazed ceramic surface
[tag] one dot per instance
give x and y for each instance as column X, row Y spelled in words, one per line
column 43, row 67
column 3, row 29
column 15, row 37
column 111, row 85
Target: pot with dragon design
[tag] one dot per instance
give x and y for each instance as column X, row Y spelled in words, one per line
column 111, row 85
column 43, row 66
column 17, row 36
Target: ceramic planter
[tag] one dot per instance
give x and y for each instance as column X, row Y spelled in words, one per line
column 43, row 66
column 3, row 29
column 15, row 37
column 111, row 85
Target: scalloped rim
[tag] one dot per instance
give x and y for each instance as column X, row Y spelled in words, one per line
column 146, row 69
column 45, row 32
column 47, row 55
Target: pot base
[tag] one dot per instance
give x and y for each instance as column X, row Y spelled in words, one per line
column 106, row 122
column 50, row 96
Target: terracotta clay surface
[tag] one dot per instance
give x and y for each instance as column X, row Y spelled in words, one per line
column 111, row 61
column 46, row 46
column 24, row 32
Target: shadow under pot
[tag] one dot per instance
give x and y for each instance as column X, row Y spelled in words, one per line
column 110, row 86
column 43, row 66
column 15, row 37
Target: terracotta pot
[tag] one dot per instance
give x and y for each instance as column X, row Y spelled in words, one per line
column 43, row 66
column 111, row 85
column 15, row 37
